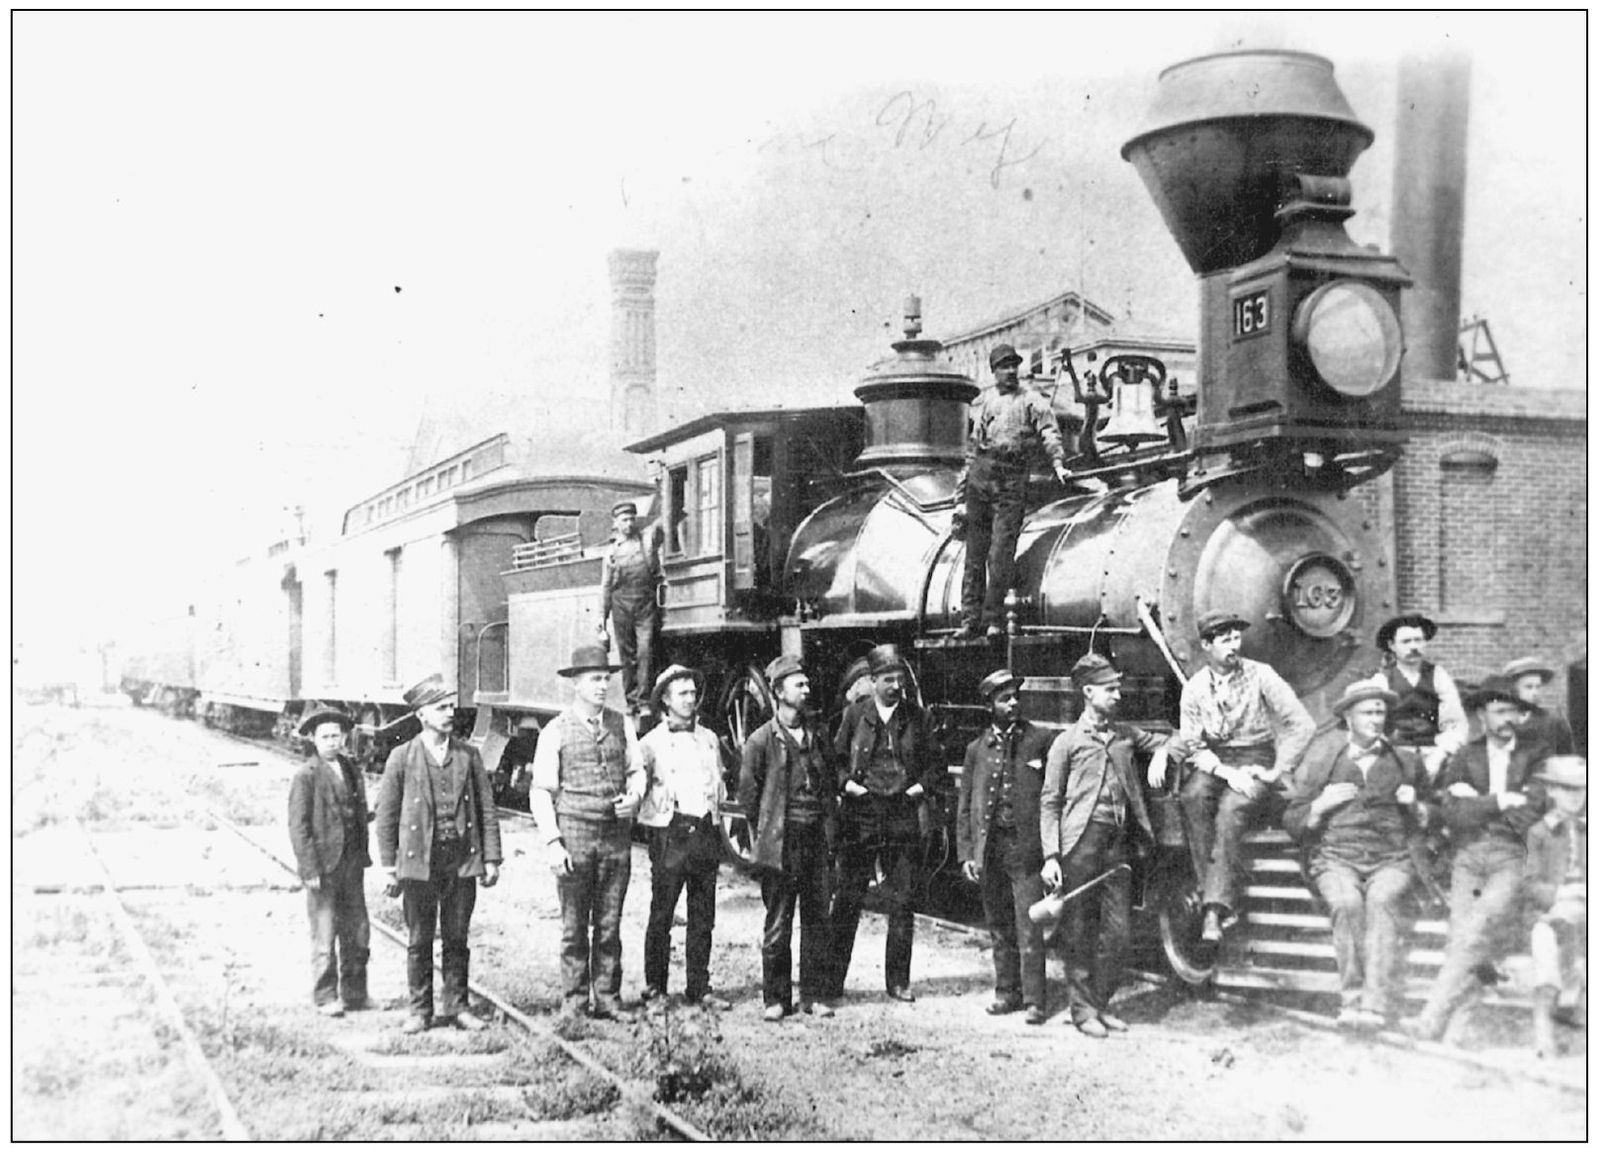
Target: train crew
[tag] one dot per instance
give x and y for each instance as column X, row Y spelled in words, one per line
column 888, row 764
column 1556, row 891
column 1429, row 712
column 997, row 841
column 1537, row 725
column 438, row 834
column 1242, row 728
column 1357, row 802
column 629, row 602
column 329, row 830
column 682, row 769
column 586, row 785
column 991, row 494
column 788, row 790
column 1490, row 797
column 1093, row 823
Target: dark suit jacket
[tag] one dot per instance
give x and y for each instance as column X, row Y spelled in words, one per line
column 1468, row 820
column 1023, row 857
column 913, row 743
column 405, row 816
column 318, row 836
column 762, row 789
column 1373, row 823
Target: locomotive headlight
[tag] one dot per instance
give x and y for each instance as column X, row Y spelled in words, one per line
column 1351, row 336
column 1319, row 596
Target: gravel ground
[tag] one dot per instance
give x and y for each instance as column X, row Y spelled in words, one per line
column 231, row 936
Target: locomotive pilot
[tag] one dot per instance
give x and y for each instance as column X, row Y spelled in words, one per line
column 1356, row 803
column 1428, row 713
column 629, row 602
column 997, row 841
column 329, row 830
column 991, row 493
column 1093, row 822
column 888, row 763
column 438, row 834
column 586, row 784
column 1556, row 890
column 1242, row 728
column 1537, row 725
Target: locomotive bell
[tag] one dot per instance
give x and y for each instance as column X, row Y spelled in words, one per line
column 1133, row 421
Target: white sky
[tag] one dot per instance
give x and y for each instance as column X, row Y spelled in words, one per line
column 212, row 212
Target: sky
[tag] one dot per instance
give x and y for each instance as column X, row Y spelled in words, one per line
column 252, row 251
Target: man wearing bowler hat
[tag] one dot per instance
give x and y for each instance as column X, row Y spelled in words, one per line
column 997, row 841
column 438, row 834
column 1428, row 713
column 629, row 602
column 1004, row 426
column 329, row 829
column 1357, row 801
column 1537, row 725
column 586, row 784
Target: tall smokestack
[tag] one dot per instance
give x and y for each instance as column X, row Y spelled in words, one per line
column 1427, row 207
column 633, row 402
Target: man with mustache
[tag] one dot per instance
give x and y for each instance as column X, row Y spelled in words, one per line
column 1428, row 713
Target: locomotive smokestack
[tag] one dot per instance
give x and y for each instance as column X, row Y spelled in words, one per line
column 633, row 404
column 916, row 406
column 1427, row 207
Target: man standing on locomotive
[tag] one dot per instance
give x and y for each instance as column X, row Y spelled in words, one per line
column 1428, row 713
column 997, row 841
column 888, row 764
column 586, row 784
column 1093, row 822
column 629, row 602
column 1356, row 803
column 991, row 493
column 1537, row 725
column 448, row 839
column 1242, row 728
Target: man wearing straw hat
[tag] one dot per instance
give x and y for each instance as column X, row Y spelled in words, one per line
column 329, row 829
column 1093, row 821
column 586, row 784
column 1537, row 725
column 1556, row 888
column 1356, row 802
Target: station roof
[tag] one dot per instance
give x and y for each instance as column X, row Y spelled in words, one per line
column 712, row 421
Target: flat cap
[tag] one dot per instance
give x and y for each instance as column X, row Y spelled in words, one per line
column 1001, row 354
column 1211, row 625
column 1564, row 771
column 781, row 667
column 884, row 658
column 427, row 691
column 1093, row 670
column 1386, row 633
column 1530, row 664
column 993, row 684
column 623, row 508
column 1362, row 691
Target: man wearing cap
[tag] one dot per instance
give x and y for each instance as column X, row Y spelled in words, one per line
column 1490, row 797
column 629, row 601
column 329, row 829
column 586, row 784
column 1004, row 425
column 788, row 792
column 1355, row 806
column 1537, row 726
column 888, row 763
column 1556, row 891
column 682, row 766
column 438, row 833
column 997, row 842
column 1242, row 729
column 1428, row 712
column 1093, row 822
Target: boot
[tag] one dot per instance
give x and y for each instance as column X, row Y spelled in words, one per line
column 1546, row 1000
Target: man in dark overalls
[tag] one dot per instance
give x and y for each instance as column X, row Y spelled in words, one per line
column 630, row 604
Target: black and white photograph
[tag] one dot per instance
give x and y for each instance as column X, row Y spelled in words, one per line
column 783, row 576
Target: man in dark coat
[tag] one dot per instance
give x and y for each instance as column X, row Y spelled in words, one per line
column 329, row 829
column 997, row 842
column 438, row 834
column 1537, row 726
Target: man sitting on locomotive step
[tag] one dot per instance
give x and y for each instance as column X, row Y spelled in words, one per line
column 629, row 602
column 682, row 764
column 1429, row 713
column 788, row 792
column 991, row 494
column 586, row 784
column 1556, row 887
column 450, row 838
column 1356, row 803
column 1490, row 797
column 1093, row 821
column 887, row 763
column 1242, row 728
column 997, row 841
column 1537, row 726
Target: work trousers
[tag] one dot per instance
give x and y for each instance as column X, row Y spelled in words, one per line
column 667, row 885
column 1216, row 819
column 1100, row 848
column 590, row 899
column 1369, row 913
column 634, row 618
column 996, row 497
column 805, row 881
column 1018, row 942
column 1484, row 907
column 338, row 913
column 878, row 830
column 1559, row 953
column 454, row 898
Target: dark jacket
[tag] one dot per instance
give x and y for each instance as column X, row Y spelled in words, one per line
column 318, row 834
column 1372, row 827
column 405, row 816
column 1547, row 859
column 1546, row 729
column 912, row 736
column 1029, row 745
column 1469, row 820
column 762, row 790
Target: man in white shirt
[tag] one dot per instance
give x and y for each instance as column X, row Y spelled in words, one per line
column 1428, row 713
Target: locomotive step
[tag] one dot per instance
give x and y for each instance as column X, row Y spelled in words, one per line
column 1316, row 921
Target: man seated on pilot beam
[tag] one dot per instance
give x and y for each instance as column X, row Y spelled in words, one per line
column 1428, row 714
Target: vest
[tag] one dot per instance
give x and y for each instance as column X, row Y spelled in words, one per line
column 1413, row 721
column 592, row 771
column 1373, row 828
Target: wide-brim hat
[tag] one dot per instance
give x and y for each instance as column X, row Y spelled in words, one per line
column 427, row 691
column 673, row 672
column 313, row 718
column 1211, row 625
column 1362, row 691
column 1564, row 771
column 1383, row 636
column 1530, row 664
column 1494, row 688
column 882, row 659
column 781, row 668
column 1001, row 354
column 623, row 508
column 1093, row 670
column 588, row 657
column 993, row 684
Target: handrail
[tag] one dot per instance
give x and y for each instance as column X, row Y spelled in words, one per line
column 559, row 548
column 480, row 636
column 1144, row 609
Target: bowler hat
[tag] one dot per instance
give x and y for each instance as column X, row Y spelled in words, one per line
column 882, row 659
column 588, row 657
column 1211, row 625
column 427, row 691
column 993, row 684
column 314, row 717
column 1093, row 670
column 1001, row 354
column 673, row 672
column 1494, row 688
column 1530, row 664
column 1386, row 633
column 1564, row 771
column 1362, row 691
column 623, row 508
column 781, row 667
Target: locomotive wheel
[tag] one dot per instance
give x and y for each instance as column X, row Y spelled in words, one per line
column 1179, row 917
column 744, row 704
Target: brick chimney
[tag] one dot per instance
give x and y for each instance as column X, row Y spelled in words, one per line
column 633, row 401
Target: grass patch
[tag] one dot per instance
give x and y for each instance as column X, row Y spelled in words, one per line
column 571, row 1096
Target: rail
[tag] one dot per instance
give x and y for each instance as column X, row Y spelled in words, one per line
column 546, row 551
column 482, row 684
